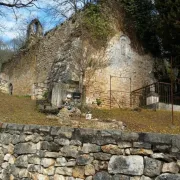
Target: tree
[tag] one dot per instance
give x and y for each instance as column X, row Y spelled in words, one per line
column 140, row 16
column 63, row 9
column 87, row 61
column 168, row 27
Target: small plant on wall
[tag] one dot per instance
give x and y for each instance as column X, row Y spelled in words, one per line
column 98, row 101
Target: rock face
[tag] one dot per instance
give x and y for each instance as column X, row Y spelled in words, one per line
column 29, row 152
column 50, row 64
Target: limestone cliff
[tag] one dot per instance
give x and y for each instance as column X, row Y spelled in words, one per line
column 52, row 62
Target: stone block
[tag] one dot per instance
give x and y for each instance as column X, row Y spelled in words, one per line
column 25, row 148
column 64, row 171
column 141, row 151
column 163, row 157
column 112, row 149
column 145, row 178
column 120, row 177
column 89, row 170
column 47, row 162
column 102, row 176
column 22, row 161
column 153, row 138
column 128, row 165
column 34, row 159
column 61, row 161
column 170, row 168
column 88, row 148
column 69, row 151
column 123, row 145
column 102, row 156
column 129, row 136
column 84, row 159
column 62, row 142
column 78, row 172
column 168, row 176
column 141, row 145
column 152, row 167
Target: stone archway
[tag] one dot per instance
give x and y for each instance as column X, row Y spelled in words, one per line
column 35, row 30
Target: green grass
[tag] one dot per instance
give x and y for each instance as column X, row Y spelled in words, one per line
column 23, row 111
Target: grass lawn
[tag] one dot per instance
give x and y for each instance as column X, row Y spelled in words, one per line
column 22, row 110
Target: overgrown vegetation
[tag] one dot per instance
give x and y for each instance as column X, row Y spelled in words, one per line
column 96, row 24
column 156, row 24
column 140, row 17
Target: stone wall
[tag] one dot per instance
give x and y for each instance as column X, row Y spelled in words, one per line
column 30, row 152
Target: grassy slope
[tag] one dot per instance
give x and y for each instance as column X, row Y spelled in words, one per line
column 23, row 111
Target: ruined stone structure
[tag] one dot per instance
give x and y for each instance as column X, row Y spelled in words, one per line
column 48, row 64
column 60, row 153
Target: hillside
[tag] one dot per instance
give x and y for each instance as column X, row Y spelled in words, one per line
column 22, row 110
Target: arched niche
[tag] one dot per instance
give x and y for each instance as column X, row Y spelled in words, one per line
column 35, row 29
column 125, row 46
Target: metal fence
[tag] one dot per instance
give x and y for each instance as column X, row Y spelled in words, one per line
column 164, row 91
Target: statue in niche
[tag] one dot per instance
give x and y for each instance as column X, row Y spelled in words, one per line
column 125, row 46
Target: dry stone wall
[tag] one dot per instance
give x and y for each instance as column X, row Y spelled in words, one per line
column 30, row 152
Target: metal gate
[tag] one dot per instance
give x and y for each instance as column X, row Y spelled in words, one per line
column 120, row 91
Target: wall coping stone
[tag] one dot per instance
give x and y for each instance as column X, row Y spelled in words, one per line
column 93, row 134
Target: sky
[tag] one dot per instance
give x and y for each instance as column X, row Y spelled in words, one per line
column 15, row 23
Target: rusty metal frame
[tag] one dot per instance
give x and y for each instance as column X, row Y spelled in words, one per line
column 130, row 84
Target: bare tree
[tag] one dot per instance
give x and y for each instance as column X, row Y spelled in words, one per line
column 65, row 8
column 87, row 61
column 18, row 3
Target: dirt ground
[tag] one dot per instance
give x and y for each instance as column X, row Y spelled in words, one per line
column 22, row 110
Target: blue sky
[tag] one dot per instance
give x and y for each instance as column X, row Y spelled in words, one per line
column 16, row 24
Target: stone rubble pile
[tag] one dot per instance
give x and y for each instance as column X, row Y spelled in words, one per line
column 4, row 86
column 29, row 152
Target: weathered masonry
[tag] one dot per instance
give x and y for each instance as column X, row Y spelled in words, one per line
column 30, row 152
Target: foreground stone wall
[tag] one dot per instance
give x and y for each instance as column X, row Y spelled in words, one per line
column 60, row 153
